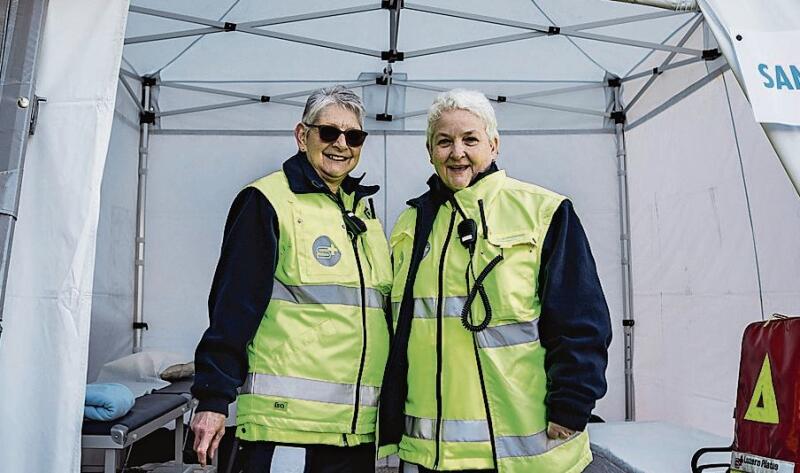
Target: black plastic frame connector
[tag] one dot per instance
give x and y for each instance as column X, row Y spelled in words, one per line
column 229, row 26
column 628, row 322
column 614, row 82
column 501, row 98
column 148, row 118
column 391, row 4
column 149, row 81
column 139, row 325
column 382, row 80
column 554, row 30
column 265, row 98
column 383, row 117
column 711, row 54
column 392, row 56
column 618, row 116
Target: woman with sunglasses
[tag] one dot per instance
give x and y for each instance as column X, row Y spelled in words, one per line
column 298, row 324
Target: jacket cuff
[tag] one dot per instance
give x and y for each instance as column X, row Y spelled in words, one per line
column 567, row 416
column 213, row 405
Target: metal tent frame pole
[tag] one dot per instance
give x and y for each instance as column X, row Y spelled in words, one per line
column 625, row 260
column 141, row 199
column 21, row 34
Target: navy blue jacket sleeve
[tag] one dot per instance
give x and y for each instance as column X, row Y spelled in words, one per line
column 575, row 327
column 240, row 292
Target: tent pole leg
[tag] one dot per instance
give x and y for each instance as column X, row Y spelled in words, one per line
column 625, row 246
column 141, row 195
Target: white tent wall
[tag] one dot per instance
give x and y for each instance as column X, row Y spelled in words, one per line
column 695, row 280
column 43, row 353
column 111, row 336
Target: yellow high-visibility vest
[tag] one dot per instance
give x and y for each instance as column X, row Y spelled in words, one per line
column 476, row 400
column 317, row 359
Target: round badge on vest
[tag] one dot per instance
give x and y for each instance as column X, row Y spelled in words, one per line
column 325, row 251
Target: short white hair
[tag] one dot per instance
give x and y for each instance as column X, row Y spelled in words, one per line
column 462, row 99
column 336, row 95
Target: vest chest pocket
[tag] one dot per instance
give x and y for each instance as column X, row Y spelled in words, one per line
column 512, row 284
column 323, row 249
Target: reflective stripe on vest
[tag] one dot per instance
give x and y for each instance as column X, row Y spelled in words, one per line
column 308, row 389
column 327, row 294
column 478, row 431
column 452, row 430
column 528, row 446
column 491, row 337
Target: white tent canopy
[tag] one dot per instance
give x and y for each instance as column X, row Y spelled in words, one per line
column 628, row 109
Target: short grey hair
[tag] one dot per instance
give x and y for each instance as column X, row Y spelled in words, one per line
column 336, row 95
column 462, row 99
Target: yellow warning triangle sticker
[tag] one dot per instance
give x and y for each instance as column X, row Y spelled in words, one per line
column 763, row 406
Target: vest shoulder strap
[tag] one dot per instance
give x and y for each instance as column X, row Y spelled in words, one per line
column 275, row 187
column 404, row 225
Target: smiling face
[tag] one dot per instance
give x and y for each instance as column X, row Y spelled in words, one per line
column 332, row 161
column 460, row 149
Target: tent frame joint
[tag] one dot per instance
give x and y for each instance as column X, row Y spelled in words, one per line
column 392, row 4
column 618, row 116
column 229, row 26
column 147, row 117
column 392, row 55
column 711, row 54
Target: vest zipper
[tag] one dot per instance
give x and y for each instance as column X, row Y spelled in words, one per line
column 362, row 285
column 439, row 339
column 354, row 241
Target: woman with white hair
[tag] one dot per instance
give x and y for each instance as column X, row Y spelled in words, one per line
column 297, row 315
column 502, row 328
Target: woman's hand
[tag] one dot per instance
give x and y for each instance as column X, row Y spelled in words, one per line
column 208, row 428
column 558, row 432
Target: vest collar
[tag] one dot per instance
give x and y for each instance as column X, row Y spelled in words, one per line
column 303, row 179
column 486, row 190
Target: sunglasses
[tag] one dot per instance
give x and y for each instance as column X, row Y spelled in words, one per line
column 327, row 133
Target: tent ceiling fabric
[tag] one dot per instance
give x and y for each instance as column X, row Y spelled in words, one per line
column 499, row 48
